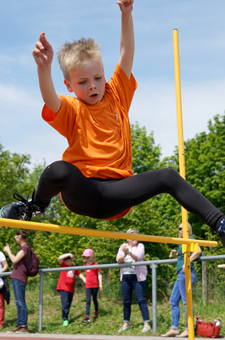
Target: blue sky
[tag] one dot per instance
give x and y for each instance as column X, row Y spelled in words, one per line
column 201, row 28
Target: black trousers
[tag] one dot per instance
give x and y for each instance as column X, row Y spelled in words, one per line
column 101, row 199
column 66, row 300
column 94, row 293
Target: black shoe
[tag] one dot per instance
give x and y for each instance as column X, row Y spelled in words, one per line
column 86, row 319
column 221, row 232
column 22, row 210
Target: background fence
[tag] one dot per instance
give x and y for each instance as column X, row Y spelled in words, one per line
column 209, row 281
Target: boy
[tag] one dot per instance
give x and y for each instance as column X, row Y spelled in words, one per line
column 66, row 284
column 95, row 177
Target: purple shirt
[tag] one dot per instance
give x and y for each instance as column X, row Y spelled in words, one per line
column 139, row 251
column 19, row 271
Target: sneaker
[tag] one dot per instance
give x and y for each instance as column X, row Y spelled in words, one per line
column 65, row 322
column 123, row 328
column 17, row 327
column 95, row 316
column 221, row 232
column 22, row 329
column 25, row 209
column 146, row 329
column 86, row 319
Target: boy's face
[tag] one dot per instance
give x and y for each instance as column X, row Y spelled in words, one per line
column 87, row 82
column 69, row 262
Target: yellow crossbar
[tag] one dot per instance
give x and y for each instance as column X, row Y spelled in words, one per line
column 99, row 233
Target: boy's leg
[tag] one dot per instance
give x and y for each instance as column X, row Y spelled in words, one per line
column 107, row 198
column 65, row 302
column 80, row 194
column 117, row 196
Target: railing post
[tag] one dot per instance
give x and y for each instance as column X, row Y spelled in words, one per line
column 154, row 266
column 41, row 299
column 204, row 282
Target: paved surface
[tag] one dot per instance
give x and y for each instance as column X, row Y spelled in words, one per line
column 40, row 336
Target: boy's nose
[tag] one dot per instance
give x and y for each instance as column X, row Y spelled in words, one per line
column 92, row 87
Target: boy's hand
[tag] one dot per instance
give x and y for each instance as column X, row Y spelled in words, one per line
column 43, row 52
column 126, row 6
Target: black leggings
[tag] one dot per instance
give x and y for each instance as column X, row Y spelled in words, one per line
column 102, row 199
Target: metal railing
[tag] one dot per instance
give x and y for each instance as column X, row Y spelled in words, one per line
column 153, row 264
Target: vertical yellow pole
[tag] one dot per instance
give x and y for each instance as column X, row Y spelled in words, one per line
column 182, row 173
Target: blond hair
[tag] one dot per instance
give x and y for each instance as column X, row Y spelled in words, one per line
column 189, row 228
column 132, row 231
column 75, row 54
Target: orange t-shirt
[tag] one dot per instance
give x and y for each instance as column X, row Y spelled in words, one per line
column 98, row 135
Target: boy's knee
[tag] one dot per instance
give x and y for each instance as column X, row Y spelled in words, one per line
column 56, row 171
column 170, row 176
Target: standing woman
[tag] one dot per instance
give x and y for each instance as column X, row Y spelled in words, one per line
column 179, row 289
column 3, row 268
column 133, row 278
column 19, row 278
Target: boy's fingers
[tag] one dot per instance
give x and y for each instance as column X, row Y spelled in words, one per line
column 39, row 45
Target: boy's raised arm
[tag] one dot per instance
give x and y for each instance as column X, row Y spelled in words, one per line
column 43, row 55
column 127, row 36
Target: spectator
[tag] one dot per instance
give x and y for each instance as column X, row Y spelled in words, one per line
column 93, row 282
column 19, row 278
column 66, row 284
column 179, row 289
column 133, row 278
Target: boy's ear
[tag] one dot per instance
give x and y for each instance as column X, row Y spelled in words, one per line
column 67, row 83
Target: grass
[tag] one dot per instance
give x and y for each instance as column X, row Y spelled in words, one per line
column 110, row 312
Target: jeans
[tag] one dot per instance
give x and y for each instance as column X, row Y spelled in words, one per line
column 66, row 300
column 94, row 293
column 128, row 284
column 19, row 294
column 178, row 293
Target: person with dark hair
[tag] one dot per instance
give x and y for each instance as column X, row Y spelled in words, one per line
column 66, row 284
column 21, row 262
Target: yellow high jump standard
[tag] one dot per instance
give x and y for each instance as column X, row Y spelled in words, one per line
column 186, row 251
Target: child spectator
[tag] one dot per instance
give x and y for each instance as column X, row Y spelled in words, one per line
column 66, row 284
column 93, row 281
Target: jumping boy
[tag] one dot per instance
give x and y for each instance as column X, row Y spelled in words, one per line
column 95, row 175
